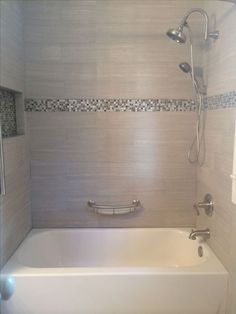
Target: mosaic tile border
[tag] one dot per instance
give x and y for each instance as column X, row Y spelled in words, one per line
column 222, row 101
column 109, row 105
column 8, row 113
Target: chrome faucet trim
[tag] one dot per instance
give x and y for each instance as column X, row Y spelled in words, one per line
column 207, row 205
column 204, row 233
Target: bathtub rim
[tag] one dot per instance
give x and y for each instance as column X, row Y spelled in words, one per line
column 211, row 266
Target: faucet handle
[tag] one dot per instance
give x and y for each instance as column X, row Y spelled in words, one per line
column 207, row 205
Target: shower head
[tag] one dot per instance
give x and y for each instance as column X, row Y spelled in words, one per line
column 177, row 35
column 185, row 67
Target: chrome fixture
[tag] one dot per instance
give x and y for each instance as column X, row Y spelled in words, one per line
column 200, row 251
column 178, row 35
column 207, row 205
column 114, row 209
column 204, row 233
column 196, row 153
column 186, row 68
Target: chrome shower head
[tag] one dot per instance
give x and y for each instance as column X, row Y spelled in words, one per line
column 185, row 67
column 177, row 35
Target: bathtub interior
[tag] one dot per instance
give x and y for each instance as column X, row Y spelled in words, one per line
column 127, row 270
column 110, row 248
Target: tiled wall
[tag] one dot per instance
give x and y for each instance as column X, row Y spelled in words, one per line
column 78, row 58
column 221, row 54
column 15, row 216
column 105, row 49
column 113, row 151
column 112, row 157
column 214, row 176
column 11, row 45
column 15, row 205
column 8, row 113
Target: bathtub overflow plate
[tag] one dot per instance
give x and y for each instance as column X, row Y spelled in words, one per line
column 200, row 251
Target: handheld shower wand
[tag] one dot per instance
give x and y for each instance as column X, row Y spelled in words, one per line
column 178, row 35
column 200, row 124
column 186, row 68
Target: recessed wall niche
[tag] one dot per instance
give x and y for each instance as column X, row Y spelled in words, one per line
column 11, row 113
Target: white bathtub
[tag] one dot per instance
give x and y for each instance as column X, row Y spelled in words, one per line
column 106, row 271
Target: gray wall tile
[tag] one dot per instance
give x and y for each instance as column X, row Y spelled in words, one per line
column 111, row 157
column 101, row 49
column 15, row 205
column 11, row 45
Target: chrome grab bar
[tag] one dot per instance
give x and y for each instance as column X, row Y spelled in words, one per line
column 114, row 209
column 2, row 165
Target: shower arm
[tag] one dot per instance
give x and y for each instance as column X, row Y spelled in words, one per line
column 207, row 34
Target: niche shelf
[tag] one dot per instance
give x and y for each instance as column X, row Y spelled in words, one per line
column 11, row 113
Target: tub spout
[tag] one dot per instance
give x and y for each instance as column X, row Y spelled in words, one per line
column 205, row 234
